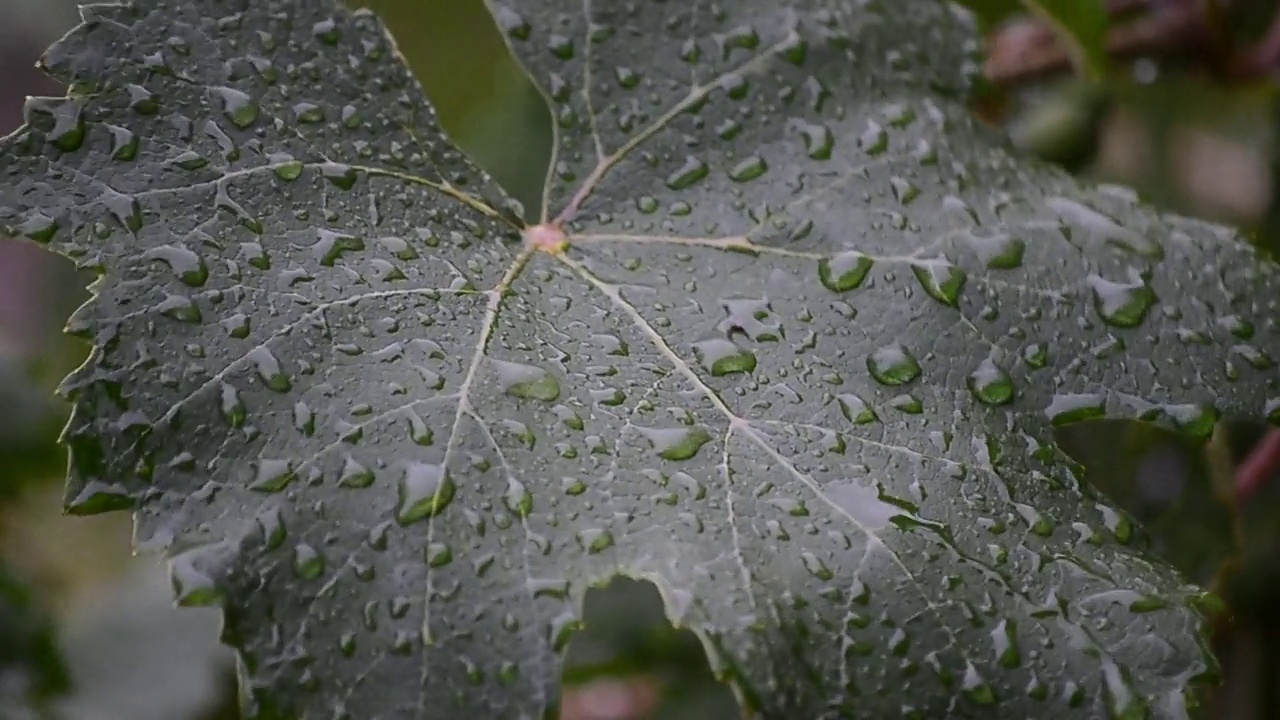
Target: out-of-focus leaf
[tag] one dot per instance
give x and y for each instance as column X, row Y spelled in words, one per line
column 1082, row 28
column 32, row 673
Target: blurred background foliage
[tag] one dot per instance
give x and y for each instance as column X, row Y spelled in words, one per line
column 1177, row 98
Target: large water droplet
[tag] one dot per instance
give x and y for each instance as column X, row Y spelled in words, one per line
column 976, row 688
column 308, row 563
column 676, row 443
column 1103, row 229
column 721, row 356
column 1067, row 408
column 893, row 365
column 687, row 174
column 940, row 279
column 856, row 410
column 355, row 474
column 844, row 271
column 188, row 266
column 268, row 368
column 425, row 490
column 998, row 252
column 863, row 503
column 991, row 384
column 1005, row 641
column 526, row 381
column 237, row 106
column 518, row 499
column 595, row 540
column 1121, row 304
column 330, row 245
column 271, row 475
column 748, row 169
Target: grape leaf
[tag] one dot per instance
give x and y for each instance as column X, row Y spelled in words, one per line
column 791, row 343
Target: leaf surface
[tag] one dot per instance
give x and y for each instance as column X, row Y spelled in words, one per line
column 791, row 344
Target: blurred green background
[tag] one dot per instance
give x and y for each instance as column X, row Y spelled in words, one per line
column 88, row 633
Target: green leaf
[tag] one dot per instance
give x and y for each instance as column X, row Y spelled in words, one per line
column 398, row 442
column 1082, row 26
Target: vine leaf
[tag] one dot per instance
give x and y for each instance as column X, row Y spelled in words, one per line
column 790, row 342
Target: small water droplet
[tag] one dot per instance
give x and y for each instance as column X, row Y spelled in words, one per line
column 816, row 566
column 893, row 365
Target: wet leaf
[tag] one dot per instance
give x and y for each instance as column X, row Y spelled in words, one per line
column 792, row 344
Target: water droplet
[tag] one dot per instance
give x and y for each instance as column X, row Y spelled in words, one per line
column 1121, row 304
column 1005, row 641
column 192, row 586
column 511, row 22
column 518, row 499
column 1122, row 702
column 998, row 252
column 268, row 368
column 818, row 140
column 990, row 384
column 844, row 271
column 748, row 169
column 561, row 46
column 308, row 563
column 232, row 406
column 180, row 308
column 237, row 106
column 676, row 443
column 526, row 381
column 941, row 280
column 816, row 566
column 595, row 540
column 687, row 174
column 1104, row 229
column 425, row 490
column 271, row 475
column 1036, row 355
column 188, row 266
column 856, row 410
column 1196, row 420
column 1065, row 409
column 330, row 246
column 976, row 688
column 721, row 356
column 893, row 365
column 863, row 503
column 39, row 227
column 355, row 475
